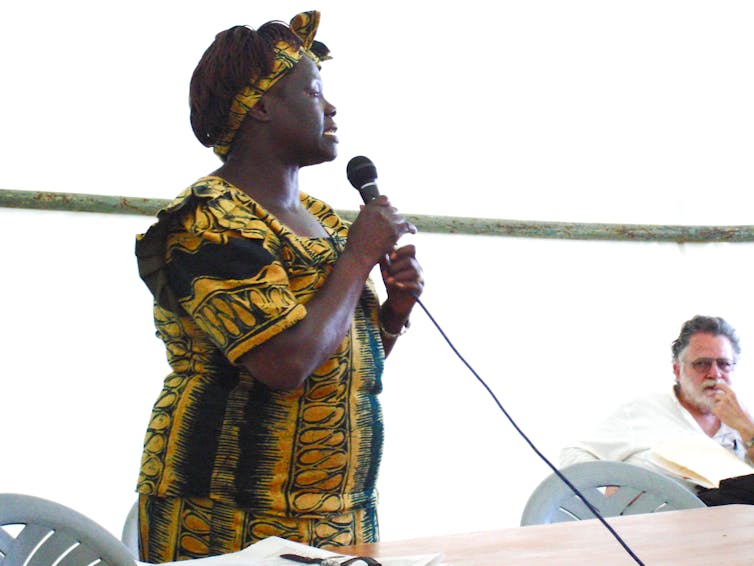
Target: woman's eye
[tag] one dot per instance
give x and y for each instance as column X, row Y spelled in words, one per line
column 315, row 89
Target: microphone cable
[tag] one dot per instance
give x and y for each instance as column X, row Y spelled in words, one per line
column 362, row 174
column 557, row 472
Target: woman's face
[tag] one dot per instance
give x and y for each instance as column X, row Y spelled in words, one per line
column 301, row 117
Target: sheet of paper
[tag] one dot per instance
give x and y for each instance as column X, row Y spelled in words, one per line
column 699, row 459
column 267, row 553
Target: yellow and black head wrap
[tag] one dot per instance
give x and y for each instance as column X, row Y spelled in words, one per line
column 286, row 57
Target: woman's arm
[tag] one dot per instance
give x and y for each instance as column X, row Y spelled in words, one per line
column 288, row 358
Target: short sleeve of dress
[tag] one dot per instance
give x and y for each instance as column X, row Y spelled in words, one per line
column 222, row 265
column 235, row 291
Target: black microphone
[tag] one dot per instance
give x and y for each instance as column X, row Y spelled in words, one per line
column 362, row 174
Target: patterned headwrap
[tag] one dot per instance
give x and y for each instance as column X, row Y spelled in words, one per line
column 305, row 26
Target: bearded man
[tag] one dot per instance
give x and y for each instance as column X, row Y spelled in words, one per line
column 702, row 402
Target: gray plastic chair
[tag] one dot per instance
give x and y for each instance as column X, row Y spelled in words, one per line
column 51, row 533
column 637, row 490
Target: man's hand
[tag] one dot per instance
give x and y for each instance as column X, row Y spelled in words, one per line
column 729, row 410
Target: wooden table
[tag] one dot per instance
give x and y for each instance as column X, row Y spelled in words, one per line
column 714, row 535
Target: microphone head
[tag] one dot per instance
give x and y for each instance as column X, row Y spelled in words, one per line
column 361, row 171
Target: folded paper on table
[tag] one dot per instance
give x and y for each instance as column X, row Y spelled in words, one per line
column 267, row 553
column 699, row 459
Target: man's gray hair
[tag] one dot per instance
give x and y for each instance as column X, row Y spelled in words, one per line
column 709, row 324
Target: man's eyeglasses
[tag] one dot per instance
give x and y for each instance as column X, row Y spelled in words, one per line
column 703, row 365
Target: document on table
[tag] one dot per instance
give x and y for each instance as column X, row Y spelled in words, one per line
column 699, row 459
column 268, row 552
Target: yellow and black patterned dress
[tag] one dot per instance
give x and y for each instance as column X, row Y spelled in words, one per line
column 227, row 460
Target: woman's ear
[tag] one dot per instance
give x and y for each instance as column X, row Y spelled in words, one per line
column 259, row 110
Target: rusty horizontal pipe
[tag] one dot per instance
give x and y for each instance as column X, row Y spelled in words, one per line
column 74, row 202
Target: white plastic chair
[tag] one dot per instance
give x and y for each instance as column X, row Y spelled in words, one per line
column 634, row 490
column 50, row 533
column 130, row 534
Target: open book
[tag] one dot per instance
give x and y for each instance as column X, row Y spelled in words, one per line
column 268, row 552
column 699, row 459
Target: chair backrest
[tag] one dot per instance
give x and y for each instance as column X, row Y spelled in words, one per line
column 130, row 535
column 634, row 490
column 49, row 533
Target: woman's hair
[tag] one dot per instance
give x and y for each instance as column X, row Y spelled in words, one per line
column 711, row 325
column 238, row 56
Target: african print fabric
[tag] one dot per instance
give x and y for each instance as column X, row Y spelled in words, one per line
column 228, row 276
column 184, row 528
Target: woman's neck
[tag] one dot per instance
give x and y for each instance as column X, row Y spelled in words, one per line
column 273, row 187
column 276, row 190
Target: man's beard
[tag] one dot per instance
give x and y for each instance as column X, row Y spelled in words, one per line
column 696, row 396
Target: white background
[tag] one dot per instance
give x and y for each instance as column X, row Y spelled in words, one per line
column 579, row 111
